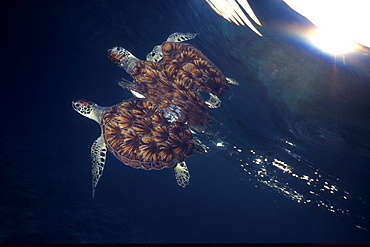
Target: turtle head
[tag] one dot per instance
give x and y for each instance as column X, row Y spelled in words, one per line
column 89, row 109
column 123, row 58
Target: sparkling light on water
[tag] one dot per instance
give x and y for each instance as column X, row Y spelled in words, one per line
column 292, row 176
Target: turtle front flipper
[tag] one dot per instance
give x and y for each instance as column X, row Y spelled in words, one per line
column 98, row 156
column 182, row 174
column 132, row 87
column 156, row 54
column 180, row 37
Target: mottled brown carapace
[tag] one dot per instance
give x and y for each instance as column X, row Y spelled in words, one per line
column 153, row 132
column 137, row 133
column 175, row 82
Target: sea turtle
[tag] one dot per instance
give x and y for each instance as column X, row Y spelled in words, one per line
column 172, row 77
column 139, row 135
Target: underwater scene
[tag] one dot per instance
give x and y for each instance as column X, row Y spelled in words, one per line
column 197, row 126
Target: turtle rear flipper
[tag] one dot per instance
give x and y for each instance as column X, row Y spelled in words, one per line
column 232, row 81
column 213, row 101
column 182, row 174
column 98, row 156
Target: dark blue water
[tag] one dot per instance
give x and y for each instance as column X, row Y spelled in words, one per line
column 288, row 152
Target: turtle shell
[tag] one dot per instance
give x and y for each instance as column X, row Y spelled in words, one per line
column 139, row 135
column 175, row 81
column 193, row 67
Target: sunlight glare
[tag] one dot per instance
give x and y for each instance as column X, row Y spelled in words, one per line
column 332, row 42
column 341, row 24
